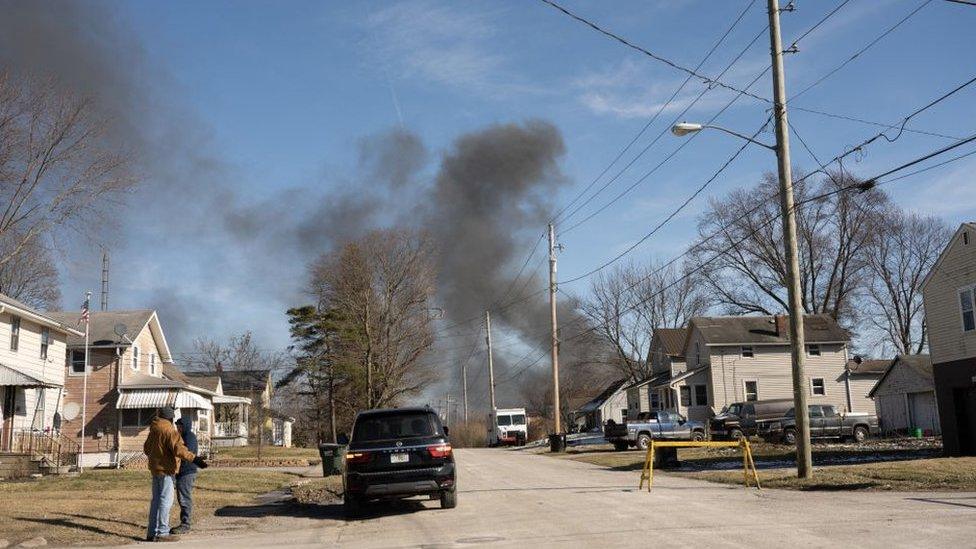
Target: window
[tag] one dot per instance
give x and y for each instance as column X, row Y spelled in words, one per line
column 815, row 411
column 813, row 350
column 829, row 411
column 518, row 419
column 152, row 363
column 14, row 333
column 746, row 351
column 752, row 390
column 686, row 396
column 504, row 421
column 655, row 400
column 965, row 305
column 139, row 417
column 697, row 353
column 817, row 386
column 77, row 362
column 45, row 342
column 965, row 238
column 135, row 357
column 701, row 395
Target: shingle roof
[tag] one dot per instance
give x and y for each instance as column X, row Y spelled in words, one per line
column 718, row 330
column 204, row 380
column 244, row 380
column 868, row 366
column 602, row 397
column 142, row 381
column 102, row 325
column 672, row 340
column 17, row 304
column 922, row 364
column 172, row 371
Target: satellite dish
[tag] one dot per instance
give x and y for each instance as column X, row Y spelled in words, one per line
column 71, row 411
column 121, row 329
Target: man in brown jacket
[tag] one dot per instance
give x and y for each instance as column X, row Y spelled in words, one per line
column 164, row 447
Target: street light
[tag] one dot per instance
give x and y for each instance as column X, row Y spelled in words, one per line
column 682, row 129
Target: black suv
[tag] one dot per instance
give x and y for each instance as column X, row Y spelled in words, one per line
column 398, row 453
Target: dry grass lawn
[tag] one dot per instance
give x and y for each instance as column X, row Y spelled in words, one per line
column 111, row 507
column 937, row 474
column 267, row 452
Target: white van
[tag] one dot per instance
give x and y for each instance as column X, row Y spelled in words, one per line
column 508, row 426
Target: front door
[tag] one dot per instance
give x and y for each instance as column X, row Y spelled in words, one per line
column 8, row 399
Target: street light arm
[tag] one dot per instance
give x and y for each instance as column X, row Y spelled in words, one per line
column 740, row 136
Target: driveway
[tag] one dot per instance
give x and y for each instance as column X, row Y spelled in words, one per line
column 520, row 499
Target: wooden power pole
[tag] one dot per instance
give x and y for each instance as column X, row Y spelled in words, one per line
column 804, row 459
column 491, row 366
column 555, row 333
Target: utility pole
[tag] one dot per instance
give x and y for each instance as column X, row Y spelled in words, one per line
column 555, row 338
column 464, row 388
column 491, row 366
column 804, row 459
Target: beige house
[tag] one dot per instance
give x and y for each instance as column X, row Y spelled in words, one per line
column 862, row 377
column 949, row 294
column 905, row 396
column 730, row 359
column 32, row 366
column 231, row 413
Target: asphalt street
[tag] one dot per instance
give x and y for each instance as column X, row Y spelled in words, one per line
column 510, row 499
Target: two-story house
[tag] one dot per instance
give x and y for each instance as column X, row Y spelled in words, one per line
column 949, row 295
column 730, row 359
column 126, row 383
column 32, row 351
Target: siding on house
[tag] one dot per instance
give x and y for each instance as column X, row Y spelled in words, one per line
column 147, row 347
column 34, row 408
column 955, row 271
column 100, row 412
column 893, row 399
column 860, row 387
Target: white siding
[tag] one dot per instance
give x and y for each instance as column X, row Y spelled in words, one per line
column 613, row 407
column 147, row 346
column 860, row 387
column 957, row 269
column 29, row 410
column 892, row 401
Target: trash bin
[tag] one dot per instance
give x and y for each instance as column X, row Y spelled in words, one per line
column 917, row 432
column 332, row 456
column 557, row 442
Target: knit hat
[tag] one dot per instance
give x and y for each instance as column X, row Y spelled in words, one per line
column 167, row 412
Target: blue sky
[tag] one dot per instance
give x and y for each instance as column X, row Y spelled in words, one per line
column 286, row 91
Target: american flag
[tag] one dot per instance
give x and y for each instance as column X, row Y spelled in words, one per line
column 84, row 311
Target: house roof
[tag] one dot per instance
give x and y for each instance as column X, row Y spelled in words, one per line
column 46, row 319
column 101, row 325
column 922, row 364
column 244, row 380
column 11, row 377
column 172, row 371
column 672, row 340
column 761, row 330
column 653, row 379
column 602, row 397
column 142, row 381
column 868, row 366
column 205, row 380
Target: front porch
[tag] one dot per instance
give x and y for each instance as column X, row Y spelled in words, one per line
column 231, row 415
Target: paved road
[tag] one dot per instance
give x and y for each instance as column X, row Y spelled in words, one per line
column 510, row 499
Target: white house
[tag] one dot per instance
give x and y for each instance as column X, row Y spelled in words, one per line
column 905, row 396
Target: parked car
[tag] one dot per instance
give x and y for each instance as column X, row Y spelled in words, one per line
column 742, row 418
column 825, row 422
column 398, row 453
column 652, row 425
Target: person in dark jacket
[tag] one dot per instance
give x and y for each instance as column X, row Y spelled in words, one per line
column 186, row 476
column 165, row 450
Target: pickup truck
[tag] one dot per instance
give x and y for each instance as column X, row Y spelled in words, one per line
column 652, row 425
column 825, row 422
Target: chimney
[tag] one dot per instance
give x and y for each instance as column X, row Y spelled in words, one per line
column 782, row 329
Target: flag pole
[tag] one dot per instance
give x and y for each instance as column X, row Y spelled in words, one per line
column 84, row 384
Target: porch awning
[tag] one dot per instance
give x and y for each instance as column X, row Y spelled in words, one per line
column 230, row 399
column 186, row 399
column 9, row 377
column 146, row 398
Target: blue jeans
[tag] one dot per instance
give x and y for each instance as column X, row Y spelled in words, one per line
column 184, row 493
column 162, row 502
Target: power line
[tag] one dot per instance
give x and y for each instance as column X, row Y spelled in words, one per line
column 660, row 110
column 856, row 54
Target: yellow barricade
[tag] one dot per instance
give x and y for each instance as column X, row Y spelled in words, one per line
column 748, row 465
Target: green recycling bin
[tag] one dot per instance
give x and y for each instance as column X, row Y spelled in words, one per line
column 332, row 456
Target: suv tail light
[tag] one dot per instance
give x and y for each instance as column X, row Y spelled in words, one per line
column 358, row 457
column 440, row 451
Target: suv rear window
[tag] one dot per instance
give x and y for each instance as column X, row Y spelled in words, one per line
column 394, row 426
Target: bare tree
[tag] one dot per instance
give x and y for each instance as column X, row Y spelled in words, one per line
column 30, row 275
column 57, row 172
column 904, row 248
column 630, row 301
column 741, row 252
column 380, row 284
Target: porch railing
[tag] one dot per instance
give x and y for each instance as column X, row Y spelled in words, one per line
column 230, row 429
column 55, row 448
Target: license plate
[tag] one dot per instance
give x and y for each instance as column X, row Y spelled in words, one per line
column 399, row 458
